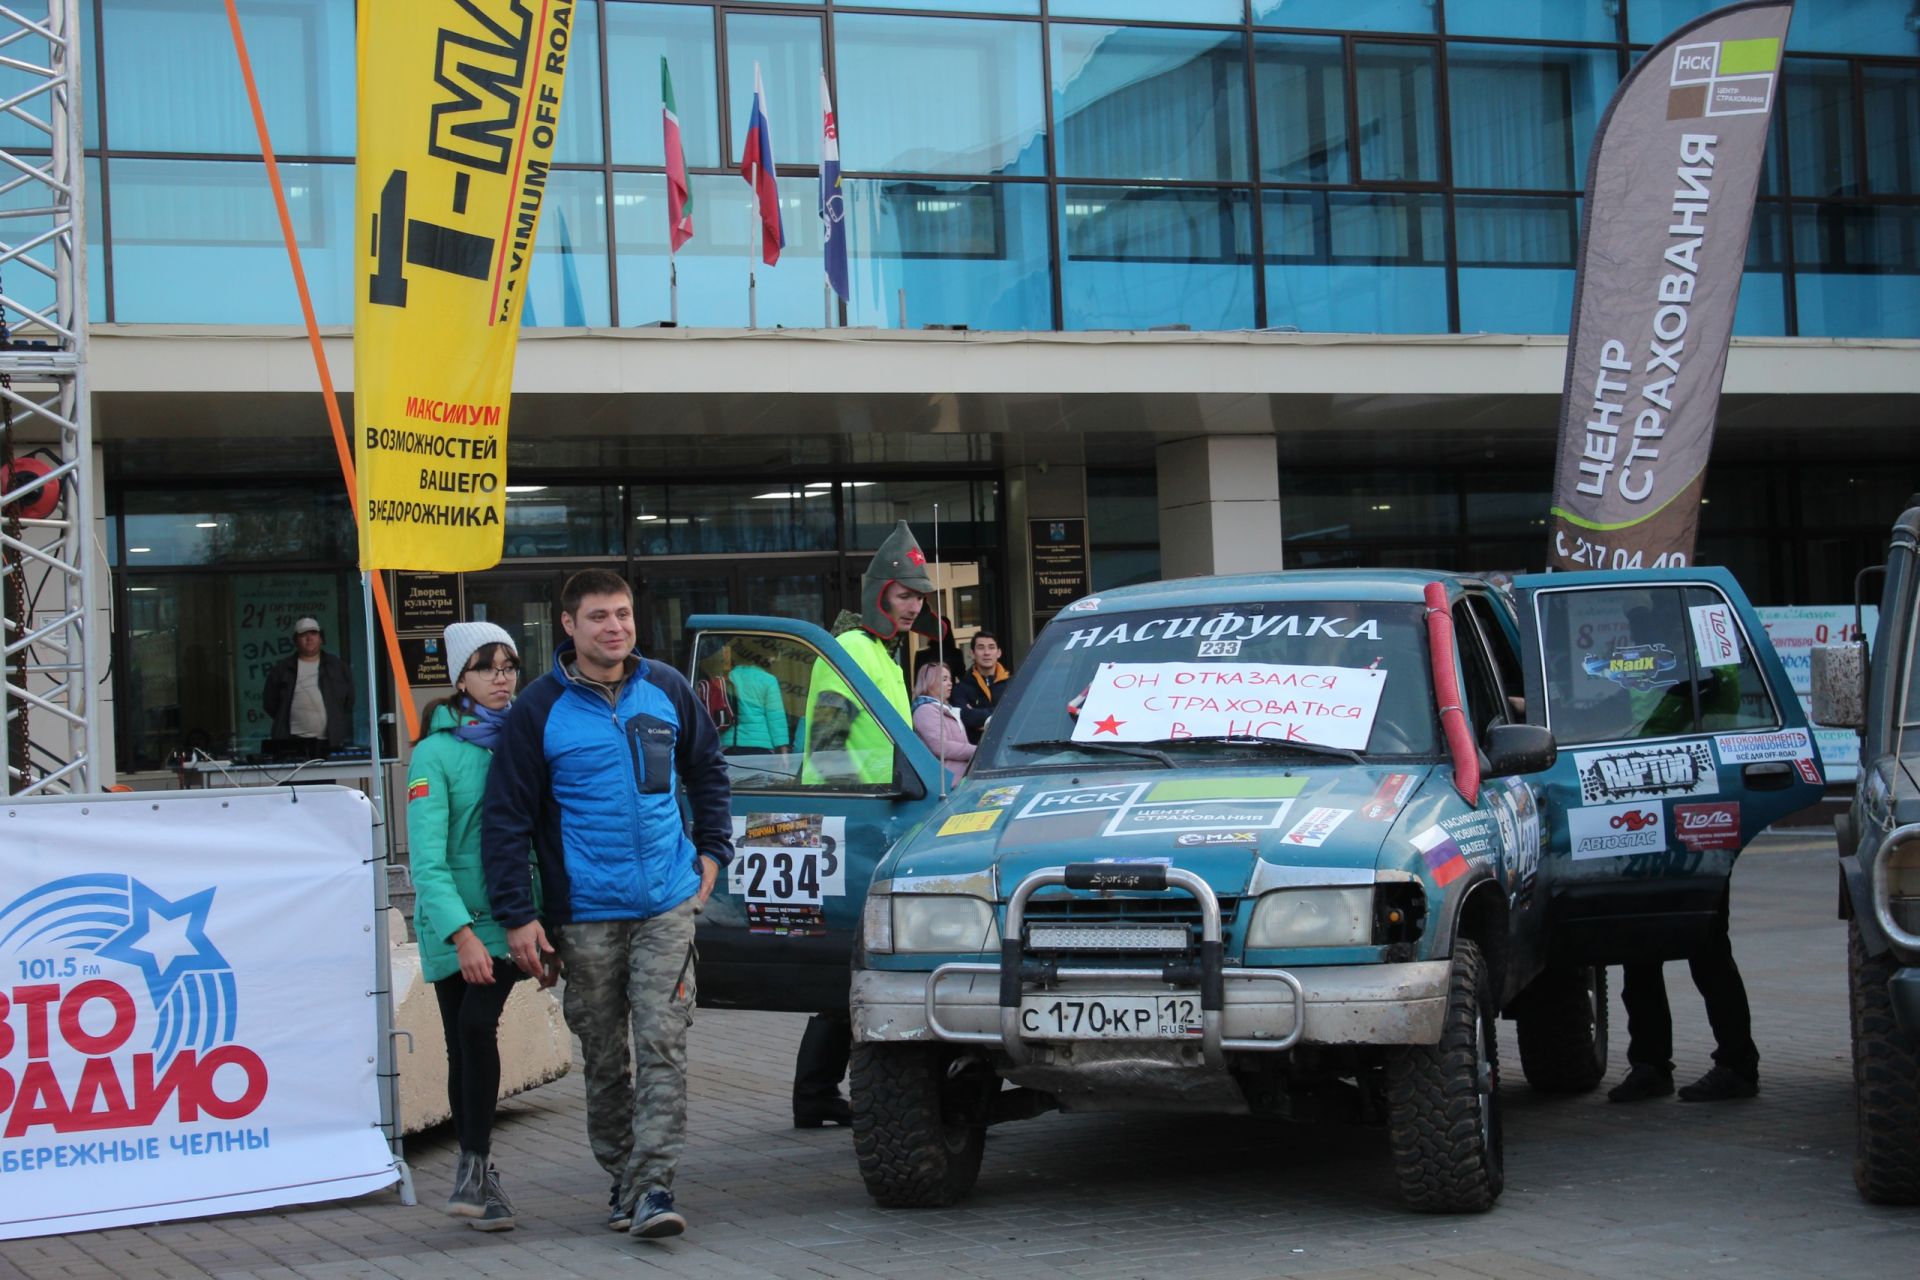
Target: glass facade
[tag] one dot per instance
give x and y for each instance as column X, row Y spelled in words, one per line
column 1394, row 166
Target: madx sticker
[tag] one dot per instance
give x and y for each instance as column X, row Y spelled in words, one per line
column 1635, row 666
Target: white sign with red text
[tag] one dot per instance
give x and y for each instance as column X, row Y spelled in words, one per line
column 187, row 1017
column 1156, row 701
column 1794, row 631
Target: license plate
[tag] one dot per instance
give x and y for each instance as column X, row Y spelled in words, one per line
column 1054, row 1017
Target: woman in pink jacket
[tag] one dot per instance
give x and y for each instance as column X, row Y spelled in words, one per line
column 937, row 721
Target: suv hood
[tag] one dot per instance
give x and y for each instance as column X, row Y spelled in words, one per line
column 1218, row 822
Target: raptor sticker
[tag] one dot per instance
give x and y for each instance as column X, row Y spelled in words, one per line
column 1624, row 773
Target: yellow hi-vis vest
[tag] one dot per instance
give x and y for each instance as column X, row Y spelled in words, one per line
column 869, row 749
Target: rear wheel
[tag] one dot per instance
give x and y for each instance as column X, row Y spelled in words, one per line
column 1443, row 1101
column 918, row 1133
column 1562, row 1029
column 1886, row 1082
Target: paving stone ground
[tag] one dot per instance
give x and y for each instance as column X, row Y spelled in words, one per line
column 1758, row 1190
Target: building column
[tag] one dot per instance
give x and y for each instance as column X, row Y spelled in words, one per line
column 1219, row 505
column 1036, row 491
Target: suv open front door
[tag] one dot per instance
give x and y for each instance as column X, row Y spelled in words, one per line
column 1680, row 740
column 815, row 805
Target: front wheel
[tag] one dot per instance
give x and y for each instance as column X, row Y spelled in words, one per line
column 917, row 1133
column 1443, row 1101
column 1886, row 1082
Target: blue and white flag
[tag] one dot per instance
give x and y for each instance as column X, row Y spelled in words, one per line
column 833, row 206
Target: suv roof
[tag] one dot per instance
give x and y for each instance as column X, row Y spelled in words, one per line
column 1382, row 585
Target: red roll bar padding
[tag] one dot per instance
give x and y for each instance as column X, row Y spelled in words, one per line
column 1446, row 696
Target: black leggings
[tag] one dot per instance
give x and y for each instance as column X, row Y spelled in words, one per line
column 470, row 1016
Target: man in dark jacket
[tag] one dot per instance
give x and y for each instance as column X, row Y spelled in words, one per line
column 979, row 690
column 309, row 693
column 588, row 771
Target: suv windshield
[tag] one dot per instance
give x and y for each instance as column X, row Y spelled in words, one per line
column 1325, row 677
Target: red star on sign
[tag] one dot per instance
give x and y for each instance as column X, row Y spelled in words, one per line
column 916, row 556
column 1109, row 725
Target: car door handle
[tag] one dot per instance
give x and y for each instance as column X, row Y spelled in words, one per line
column 1773, row 775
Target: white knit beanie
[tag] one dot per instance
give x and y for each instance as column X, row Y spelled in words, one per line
column 464, row 637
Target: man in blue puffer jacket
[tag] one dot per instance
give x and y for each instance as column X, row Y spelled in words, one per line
column 588, row 771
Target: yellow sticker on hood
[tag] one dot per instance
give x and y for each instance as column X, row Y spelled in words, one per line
column 961, row 824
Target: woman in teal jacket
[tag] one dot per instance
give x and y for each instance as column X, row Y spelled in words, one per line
column 463, row 949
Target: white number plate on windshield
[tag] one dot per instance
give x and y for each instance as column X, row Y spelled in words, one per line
column 1057, row 1017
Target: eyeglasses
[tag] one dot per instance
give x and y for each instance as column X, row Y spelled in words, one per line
column 498, row 673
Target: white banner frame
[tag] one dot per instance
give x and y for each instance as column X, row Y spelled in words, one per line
column 156, row 933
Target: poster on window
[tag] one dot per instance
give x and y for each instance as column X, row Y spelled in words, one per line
column 170, row 1044
column 1794, row 631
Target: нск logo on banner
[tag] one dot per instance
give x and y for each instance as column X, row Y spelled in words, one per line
column 106, row 970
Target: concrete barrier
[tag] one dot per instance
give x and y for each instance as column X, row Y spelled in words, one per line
column 535, row 1046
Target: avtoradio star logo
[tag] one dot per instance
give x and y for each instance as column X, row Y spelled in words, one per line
column 64, row 930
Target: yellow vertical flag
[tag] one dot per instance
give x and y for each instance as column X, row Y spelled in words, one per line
column 459, row 112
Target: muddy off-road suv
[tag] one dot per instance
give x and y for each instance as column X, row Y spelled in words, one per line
column 1872, row 689
column 1289, row 844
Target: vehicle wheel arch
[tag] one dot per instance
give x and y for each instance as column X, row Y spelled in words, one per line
column 1481, row 915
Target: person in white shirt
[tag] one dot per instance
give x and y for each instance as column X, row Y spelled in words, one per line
column 309, row 693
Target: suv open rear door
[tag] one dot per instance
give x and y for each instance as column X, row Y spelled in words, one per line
column 812, row 811
column 1680, row 740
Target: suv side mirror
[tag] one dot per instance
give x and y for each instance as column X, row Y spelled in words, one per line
column 1514, row 749
column 1839, row 685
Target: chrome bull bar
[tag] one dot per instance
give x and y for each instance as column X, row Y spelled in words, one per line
column 1151, row 877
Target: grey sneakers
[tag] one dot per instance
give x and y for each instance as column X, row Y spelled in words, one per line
column 469, row 1198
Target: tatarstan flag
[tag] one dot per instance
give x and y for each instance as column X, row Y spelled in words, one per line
column 679, row 194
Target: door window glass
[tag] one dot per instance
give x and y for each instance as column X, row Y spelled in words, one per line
column 1485, row 706
column 1506, row 660
column 1618, row 664
column 787, row 720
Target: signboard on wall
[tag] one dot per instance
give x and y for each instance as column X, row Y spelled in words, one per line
column 425, row 602
column 1059, row 565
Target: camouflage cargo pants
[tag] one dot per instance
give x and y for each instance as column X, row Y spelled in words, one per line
column 633, row 976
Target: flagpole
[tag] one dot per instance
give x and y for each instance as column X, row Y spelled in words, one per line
column 939, row 619
column 673, row 286
column 753, row 206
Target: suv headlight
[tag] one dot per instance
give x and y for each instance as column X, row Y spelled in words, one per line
column 1902, row 861
column 1312, row 918
column 943, row 922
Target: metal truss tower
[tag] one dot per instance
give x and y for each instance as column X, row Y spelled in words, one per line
column 47, row 556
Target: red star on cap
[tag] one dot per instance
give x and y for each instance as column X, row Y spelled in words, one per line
column 1109, row 725
column 916, row 556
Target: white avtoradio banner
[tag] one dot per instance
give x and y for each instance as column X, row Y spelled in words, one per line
column 185, row 1019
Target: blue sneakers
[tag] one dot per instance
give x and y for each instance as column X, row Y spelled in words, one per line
column 654, row 1218
column 619, row 1217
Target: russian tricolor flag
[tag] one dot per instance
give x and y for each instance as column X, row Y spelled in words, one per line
column 757, row 167
column 1443, row 856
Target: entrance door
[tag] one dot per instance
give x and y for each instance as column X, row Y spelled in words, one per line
column 526, row 604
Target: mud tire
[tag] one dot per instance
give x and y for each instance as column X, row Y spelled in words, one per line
column 1443, row 1101
column 917, row 1136
column 1886, row 1082
column 1562, row 1030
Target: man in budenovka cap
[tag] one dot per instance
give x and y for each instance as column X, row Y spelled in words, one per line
column 845, row 744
